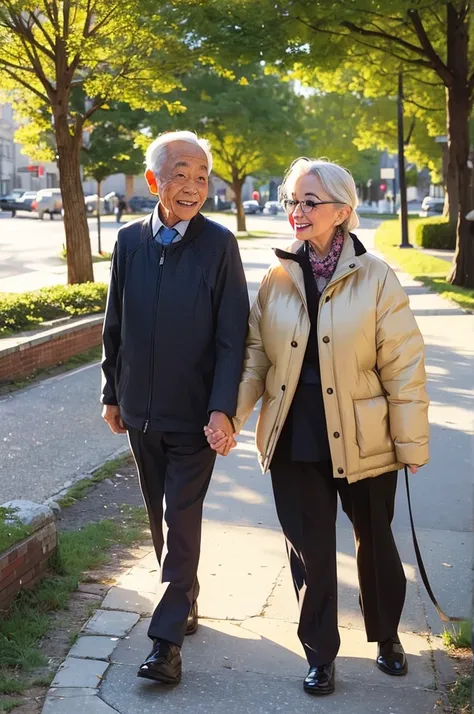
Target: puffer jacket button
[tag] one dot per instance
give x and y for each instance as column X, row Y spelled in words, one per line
column 326, row 339
column 352, row 265
column 336, row 435
column 330, row 390
column 283, row 387
column 340, row 471
column 294, row 344
column 328, row 298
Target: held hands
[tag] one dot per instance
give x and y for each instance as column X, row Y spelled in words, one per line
column 220, row 433
column 111, row 414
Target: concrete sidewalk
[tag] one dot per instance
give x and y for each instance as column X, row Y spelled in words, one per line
column 245, row 656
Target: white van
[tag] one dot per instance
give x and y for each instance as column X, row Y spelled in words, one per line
column 48, row 200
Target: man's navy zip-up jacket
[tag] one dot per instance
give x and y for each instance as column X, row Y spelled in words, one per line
column 175, row 327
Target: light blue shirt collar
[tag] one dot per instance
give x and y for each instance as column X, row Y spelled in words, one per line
column 156, row 224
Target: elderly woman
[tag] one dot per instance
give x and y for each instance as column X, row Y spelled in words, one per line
column 335, row 352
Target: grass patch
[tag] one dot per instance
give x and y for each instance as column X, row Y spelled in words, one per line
column 96, row 257
column 7, row 705
column 82, row 358
column 12, row 530
column 382, row 216
column 29, row 619
column 429, row 270
column 459, row 635
column 460, row 696
column 81, row 488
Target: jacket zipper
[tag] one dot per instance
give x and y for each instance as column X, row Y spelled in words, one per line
column 152, row 348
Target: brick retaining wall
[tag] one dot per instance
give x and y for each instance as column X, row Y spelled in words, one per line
column 22, row 357
column 25, row 563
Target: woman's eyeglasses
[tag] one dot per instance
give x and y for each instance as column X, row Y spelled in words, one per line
column 307, row 206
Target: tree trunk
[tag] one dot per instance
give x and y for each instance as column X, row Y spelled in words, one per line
column 458, row 111
column 129, row 182
column 451, row 200
column 237, row 189
column 78, row 245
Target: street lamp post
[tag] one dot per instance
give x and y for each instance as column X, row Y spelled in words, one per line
column 401, row 168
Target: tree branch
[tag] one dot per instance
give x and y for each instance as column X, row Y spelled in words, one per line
column 104, row 21
column 41, row 27
column 420, row 106
column 381, row 35
column 410, row 132
column 35, row 91
column 52, row 15
column 433, row 56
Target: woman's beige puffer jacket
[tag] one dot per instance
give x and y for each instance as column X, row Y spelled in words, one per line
column 372, row 364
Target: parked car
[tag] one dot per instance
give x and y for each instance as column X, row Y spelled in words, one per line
column 48, row 200
column 91, row 204
column 272, row 208
column 431, row 207
column 252, row 207
column 26, row 200
column 9, row 202
column 141, row 204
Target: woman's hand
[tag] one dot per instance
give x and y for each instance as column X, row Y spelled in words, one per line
column 413, row 468
column 219, row 441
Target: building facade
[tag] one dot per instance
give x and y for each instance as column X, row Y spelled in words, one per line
column 16, row 169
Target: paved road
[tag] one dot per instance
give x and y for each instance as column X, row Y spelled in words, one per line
column 30, row 249
column 52, row 432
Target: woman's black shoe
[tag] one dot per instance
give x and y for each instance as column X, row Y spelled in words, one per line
column 320, row 680
column 163, row 664
column 192, row 623
column 391, row 657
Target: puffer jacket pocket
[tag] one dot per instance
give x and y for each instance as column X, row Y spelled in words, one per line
column 372, row 426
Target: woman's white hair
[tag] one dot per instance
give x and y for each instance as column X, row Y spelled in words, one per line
column 336, row 180
column 155, row 155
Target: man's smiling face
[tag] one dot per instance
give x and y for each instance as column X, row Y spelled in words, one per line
column 182, row 183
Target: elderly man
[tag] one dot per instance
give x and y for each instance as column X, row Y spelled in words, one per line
column 174, row 336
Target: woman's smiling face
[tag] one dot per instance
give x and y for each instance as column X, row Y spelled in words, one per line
column 322, row 220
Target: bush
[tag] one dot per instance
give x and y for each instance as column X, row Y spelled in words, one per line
column 436, row 233
column 23, row 311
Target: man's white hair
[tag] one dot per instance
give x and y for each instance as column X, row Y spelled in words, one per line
column 337, row 181
column 156, row 153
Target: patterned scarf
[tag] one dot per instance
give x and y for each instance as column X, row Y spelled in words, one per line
column 325, row 267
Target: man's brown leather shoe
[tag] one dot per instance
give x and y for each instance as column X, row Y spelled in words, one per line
column 163, row 664
column 192, row 623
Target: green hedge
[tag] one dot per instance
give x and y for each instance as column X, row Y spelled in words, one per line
column 22, row 311
column 435, row 233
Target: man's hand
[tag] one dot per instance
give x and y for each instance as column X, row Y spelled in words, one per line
column 220, row 433
column 111, row 414
column 413, row 468
column 220, row 442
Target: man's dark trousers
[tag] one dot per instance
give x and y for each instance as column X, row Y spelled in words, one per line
column 174, row 470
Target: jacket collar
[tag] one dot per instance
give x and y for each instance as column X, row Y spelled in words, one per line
column 292, row 261
column 194, row 228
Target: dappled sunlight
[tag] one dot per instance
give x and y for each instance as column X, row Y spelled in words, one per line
column 432, row 369
column 245, row 495
column 221, row 478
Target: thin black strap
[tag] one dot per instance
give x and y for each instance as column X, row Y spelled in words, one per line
column 421, row 566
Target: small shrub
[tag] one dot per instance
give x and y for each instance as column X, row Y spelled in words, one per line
column 25, row 310
column 436, row 233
